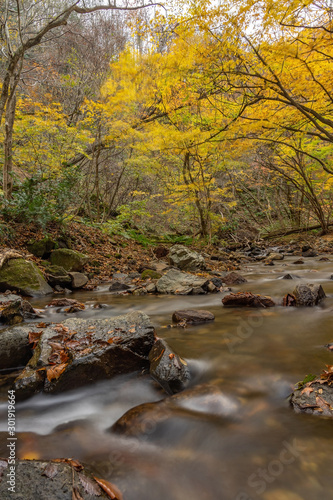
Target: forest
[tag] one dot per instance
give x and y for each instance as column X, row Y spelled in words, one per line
column 166, row 249
column 180, row 119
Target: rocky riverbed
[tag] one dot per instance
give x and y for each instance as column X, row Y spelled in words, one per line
column 168, row 402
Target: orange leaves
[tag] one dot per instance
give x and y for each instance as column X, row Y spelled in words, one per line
column 110, row 489
column 55, row 371
column 34, row 338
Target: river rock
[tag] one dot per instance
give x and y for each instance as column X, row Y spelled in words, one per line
column 117, row 286
column 308, row 295
column 290, row 277
column 167, row 368
column 83, row 351
column 78, row 279
column 315, row 398
column 192, row 316
column 186, row 259
column 58, row 479
column 13, row 309
column 299, row 261
column 247, row 299
column 57, row 276
column 176, row 282
column 310, row 253
column 276, row 256
column 150, row 274
column 14, row 347
column 202, row 399
column 24, row 277
column 233, row 279
column 151, row 288
column 70, row 260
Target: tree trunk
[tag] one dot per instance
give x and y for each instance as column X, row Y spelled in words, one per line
column 8, row 148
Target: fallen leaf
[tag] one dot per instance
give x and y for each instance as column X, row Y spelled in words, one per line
column 42, row 325
column 73, row 463
column 56, row 346
column 51, row 470
column 171, row 356
column 307, row 391
column 34, row 338
column 109, row 488
column 90, row 486
column 55, row 371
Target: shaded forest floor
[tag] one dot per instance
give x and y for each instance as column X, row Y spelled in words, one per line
column 114, row 253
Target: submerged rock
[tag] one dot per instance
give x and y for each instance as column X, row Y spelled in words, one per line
column 192, row 316
column 247, row 299
column 186, row 259
column 176, row 282
column 233, row 279
column 202, row 399
column 59, row 479
column 308, row 295
column 83, row 351
column 24, row 277
column 167, row 368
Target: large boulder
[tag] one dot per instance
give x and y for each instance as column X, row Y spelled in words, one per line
column 167, row 368
column 70, row 260
column 247, row 299
column 186, row 259
column 59, row 479
column 191, row 316
column 24, row 277
column 308, row 295
column 176, row 282
column 82, row 351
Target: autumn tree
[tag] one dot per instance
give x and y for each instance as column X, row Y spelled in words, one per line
column 25, row 25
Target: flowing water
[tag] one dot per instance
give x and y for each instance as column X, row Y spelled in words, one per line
column 258, row 449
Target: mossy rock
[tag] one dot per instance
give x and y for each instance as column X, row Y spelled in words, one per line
column 24, row 277
column 70, row 260
column 149, row 273
column 42, row 247
column 57, row 275
column 56, row 270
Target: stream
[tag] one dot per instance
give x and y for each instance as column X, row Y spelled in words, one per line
column 261, row 450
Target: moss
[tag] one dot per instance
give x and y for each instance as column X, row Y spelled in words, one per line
column 24, row 277
column 149, row 273
column 70, row 260
column 56, row 270
column 42, row 247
